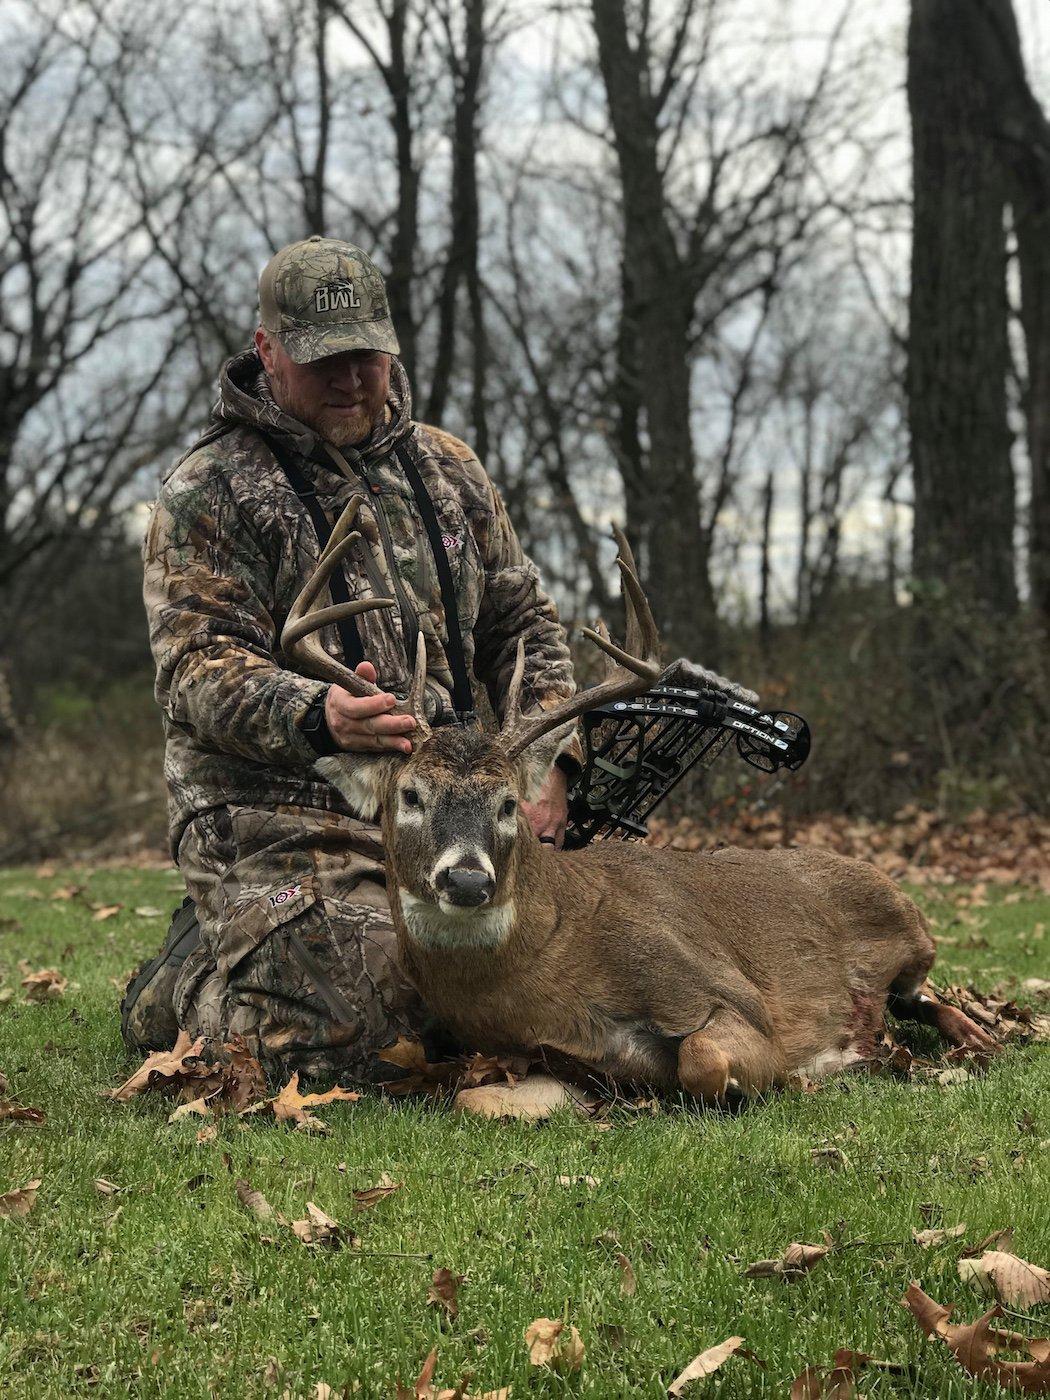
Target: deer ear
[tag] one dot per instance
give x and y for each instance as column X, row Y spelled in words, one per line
column 535, row 761
column 359, row 777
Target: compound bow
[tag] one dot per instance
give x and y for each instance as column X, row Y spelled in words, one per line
column 636, row 751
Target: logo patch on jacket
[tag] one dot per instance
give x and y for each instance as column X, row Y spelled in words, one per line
column 283, row 896
column 451, row 541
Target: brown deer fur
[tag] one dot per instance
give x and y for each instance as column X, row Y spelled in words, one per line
column 731, row 969
column 709, row 973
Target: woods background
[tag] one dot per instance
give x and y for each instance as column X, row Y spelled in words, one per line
column 770, row 281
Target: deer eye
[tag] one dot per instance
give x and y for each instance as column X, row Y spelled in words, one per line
column 508, row 808
column 411, row 797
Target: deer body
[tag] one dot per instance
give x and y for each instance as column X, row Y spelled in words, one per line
column 705, row 972
column 618, row 954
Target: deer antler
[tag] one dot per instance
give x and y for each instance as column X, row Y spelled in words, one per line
column 636, row 668
column 300, row 644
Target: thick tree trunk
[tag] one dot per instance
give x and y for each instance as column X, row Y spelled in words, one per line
column 676, row 548
column 461, row 265
column 406, row 221
column 958, row 358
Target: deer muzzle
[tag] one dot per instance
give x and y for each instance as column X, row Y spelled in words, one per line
column 465, row 886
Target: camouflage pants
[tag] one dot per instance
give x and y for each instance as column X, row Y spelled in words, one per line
column 298, row 952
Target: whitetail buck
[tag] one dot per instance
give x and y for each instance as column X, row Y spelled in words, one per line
column 713, row 973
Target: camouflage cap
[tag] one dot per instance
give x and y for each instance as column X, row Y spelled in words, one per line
column 322, row 296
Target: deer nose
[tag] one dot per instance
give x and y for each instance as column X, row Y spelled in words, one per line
column 461, row 885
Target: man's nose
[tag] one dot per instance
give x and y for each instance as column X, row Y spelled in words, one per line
column 345, row 376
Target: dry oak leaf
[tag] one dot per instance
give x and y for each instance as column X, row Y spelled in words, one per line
column 705, row 1364
column 319, row 1229
column 796, row 1260
column 928, row 1239
column 106, row 1188
column 554, row 1344
column 444, row 1291
column 165, row 1068
column 289, row 1106
column 13, row 1112
column 1013, row 1281
column 105, row 911
column 422, row 1077
column 198, row 1107
column 974, row 1345
column 47, row 984
column 371, row 1195
column 16, row 1204
column 534, row 1098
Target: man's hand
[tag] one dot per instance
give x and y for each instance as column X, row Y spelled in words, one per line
column 549, row 813
column 365, row 725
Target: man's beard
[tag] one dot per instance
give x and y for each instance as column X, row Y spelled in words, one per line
column 336, row 426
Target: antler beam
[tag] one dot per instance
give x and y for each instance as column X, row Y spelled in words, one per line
column 636, row 666
column 300, row 643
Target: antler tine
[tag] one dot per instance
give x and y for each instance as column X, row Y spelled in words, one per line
column 297, row 639
column 415, row 701
column 633, row 675
column 642, row 637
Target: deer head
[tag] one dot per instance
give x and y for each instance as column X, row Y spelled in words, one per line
column 452, row 825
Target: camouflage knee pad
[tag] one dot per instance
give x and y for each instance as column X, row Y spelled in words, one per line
column 299, row 954
column 314, row 988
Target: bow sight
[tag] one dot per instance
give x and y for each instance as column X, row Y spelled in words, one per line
column 636, row 751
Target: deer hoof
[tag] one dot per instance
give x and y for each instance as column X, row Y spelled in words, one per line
column 703, row 1068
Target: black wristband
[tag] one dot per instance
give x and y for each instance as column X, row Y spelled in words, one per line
column 315, row 726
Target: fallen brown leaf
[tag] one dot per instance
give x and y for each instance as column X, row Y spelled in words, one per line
column 534, row 1098
column 105, row 911
column 255, row 1201
column 65, row 892
column 207, row 1134
column 14, row 1112
column 589, row 1181
column 628, row 1282
column 929, row 1239
column 444, row 1292
column 47, row 984
column 554, row 1344
column 319, row 1229
column 289, row 1106
column 796, row 1260
column 1013, row 1281
column 706, row 1364
column 197, row 1107
column 421, row 1076
column 106, row 1188
column 15, row 1204
column 165, row 1069
column 974, row 1345
column 370, row 1195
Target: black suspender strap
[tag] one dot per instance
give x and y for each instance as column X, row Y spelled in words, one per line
column 349, row 637
column 462, row 693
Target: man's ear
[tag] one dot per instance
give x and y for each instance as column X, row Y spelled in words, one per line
column 535, row 762
column 361, row 778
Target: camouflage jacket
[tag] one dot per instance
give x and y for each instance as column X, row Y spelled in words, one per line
column 229, row 546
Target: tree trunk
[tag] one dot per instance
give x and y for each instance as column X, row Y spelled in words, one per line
column 676, row 548
column 963, row 545
column 406, row 221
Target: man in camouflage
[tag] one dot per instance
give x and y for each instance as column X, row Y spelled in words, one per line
column 296, row 950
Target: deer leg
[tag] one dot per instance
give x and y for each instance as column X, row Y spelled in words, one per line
column 728, row 1055
column 920, row 1004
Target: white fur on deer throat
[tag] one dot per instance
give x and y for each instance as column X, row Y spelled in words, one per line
column 453, row 926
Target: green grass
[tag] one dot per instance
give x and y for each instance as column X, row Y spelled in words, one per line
column 168, row 1289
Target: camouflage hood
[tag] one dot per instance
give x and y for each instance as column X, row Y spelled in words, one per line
column 245, row 401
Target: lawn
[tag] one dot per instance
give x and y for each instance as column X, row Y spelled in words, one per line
column 170, row 1287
